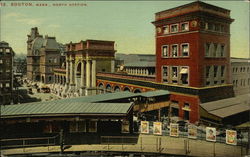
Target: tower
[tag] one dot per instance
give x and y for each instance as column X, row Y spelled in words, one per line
column 193, row 45
column 33, row 54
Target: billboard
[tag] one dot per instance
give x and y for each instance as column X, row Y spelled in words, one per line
column 192, row 131
column 144, row 127
column 125, row 126
column 157, row 130
column 174, row 130
column 231, row 137
column 211, row 134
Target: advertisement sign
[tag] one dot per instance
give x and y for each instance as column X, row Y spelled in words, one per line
column 174, row 130
column 211, row 134
column 125, row 126
column 157, row 130
column 144, row 127
column 231, row 137
column 192, row 131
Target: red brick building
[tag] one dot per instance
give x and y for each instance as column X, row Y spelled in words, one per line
column 193, row 45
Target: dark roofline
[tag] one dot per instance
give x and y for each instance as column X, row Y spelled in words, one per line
column 190, row 4
column 64, row 115
column 239, row 58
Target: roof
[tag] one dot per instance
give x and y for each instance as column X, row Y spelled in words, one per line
column 140, row 64
column 86, row 105
column 52, row 108
column 155, row 93
column 115, row 96
column 103, row 97
column 201, row 4
column 240, row 60
column 37, row 43
column 227, row 107
column 50, row 43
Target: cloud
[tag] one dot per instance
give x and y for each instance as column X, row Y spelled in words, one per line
column 54, row 26
column 21, row 18
column 30, row 21
column 13, row 15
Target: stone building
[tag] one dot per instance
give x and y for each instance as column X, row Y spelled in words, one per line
column 83, row 61
column 240, row 68
column 6, row 73
column 43, row 55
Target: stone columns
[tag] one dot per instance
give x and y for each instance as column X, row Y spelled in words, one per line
column 112, row 66
column 82, row 73
column 72, row 71
column 87, row 73
column 67, row 71
column 93, row 73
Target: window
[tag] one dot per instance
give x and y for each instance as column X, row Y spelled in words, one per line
column 207, row 71
column 174, row 74
column 186, row 115
column 79, row 126
column 222, row 71
column 222, row 81
column 207, row 49
column 1, row 50
column 217, row 27
column 166, row 29
column 7, row 50
column 215, row 49
column 1, row 61
column 165, row 74
column 50, row 60
column 184, row 26
column 7, row 85
column 215, row 71
column 206, row 25
column 210, row 26
column 165, row 51
column 222, row 28
column 174, row 28
column 92, row 126
column 174, row 51
column 185, row 50
column 222, row 51
column 184, row 75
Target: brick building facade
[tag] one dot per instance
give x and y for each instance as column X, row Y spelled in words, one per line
column 43, row 55
column 6, row 73
column 193, row 45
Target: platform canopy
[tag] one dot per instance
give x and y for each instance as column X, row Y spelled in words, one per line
column 228, row 107
column 64, row 108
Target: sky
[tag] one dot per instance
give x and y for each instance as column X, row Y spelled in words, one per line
column 128, row 23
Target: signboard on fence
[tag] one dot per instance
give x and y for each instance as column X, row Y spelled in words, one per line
column 211, row 134
column 192, row 131
column 125, row 126
column 157, row 130
column 231, row 137
column 174, row 129
column 144, row 127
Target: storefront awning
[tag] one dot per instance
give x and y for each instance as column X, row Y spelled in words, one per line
column 184, row 71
